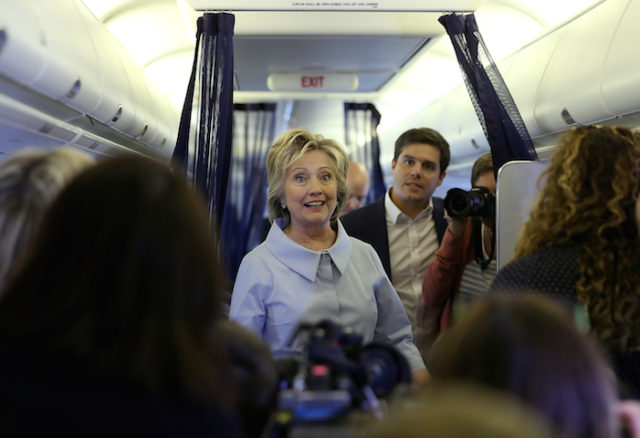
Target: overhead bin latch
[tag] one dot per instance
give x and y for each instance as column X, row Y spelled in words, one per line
column 567, row 117
column 74, row 89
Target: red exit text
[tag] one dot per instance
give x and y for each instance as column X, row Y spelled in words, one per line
column 312, row 81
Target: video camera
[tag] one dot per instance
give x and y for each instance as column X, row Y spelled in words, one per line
column 335, row 374
column 478, row 201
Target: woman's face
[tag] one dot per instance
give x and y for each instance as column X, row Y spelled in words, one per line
column 311, row 190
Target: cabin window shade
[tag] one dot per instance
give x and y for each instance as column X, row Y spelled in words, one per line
column 243, row 222
column 503, row 126
column 203, row 147
column 361, row 122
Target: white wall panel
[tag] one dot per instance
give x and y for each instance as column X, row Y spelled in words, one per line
column 574, row 74
column 72, row 74
column 621, row 73
column 22, row 39
column 524, row 75
column 116, row 107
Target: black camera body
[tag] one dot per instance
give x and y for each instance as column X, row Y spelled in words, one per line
column 478, row 201
column 336, row 373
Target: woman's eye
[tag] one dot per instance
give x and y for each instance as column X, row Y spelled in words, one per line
column 326, row 177
column 300, row 179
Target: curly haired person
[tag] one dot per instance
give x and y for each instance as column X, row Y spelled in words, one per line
column 581, row 243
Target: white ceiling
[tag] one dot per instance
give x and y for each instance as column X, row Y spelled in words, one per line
column 403, row 60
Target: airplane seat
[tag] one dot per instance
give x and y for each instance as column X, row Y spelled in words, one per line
column 517, row 189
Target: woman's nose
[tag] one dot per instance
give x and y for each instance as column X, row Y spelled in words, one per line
column 315, row 185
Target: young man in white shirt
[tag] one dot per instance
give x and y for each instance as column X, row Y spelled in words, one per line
column 405, row 227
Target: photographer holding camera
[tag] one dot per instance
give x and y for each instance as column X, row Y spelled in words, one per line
column 464, row 267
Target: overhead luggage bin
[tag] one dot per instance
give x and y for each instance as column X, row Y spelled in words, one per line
column 567, row 98
column 22, row 37
column 620, row 75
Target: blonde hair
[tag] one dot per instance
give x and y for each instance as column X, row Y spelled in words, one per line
column 588, row 200
column 29, row 181
column 287, row 149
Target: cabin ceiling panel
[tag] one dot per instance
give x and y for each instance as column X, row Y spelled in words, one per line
column 373, row 59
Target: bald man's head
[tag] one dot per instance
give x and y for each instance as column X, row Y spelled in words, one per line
column 358, row 185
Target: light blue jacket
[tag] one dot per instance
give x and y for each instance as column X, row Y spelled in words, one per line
column 281, row 283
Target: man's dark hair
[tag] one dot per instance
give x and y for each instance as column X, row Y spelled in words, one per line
column 427, row 136
column 482, row 165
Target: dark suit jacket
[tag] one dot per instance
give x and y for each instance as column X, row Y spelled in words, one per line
column 369, row 224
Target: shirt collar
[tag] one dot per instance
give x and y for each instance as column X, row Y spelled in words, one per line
column 303, row 260
column 393, row 213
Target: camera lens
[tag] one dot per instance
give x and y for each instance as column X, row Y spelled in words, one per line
column 479, row 201
column 385, row 367
column 457, row 203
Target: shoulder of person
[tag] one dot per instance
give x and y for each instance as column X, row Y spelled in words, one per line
column 361, row 213
column 359, row 246
column 438, row 204
column 258, row 257
column 363, row 251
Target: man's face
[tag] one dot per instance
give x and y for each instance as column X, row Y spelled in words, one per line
column 487, row 180
column 416, row 173
column 358, row 190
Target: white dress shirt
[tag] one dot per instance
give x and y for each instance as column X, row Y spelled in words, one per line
column 412, row 246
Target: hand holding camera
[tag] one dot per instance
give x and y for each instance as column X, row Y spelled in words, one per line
column 478, row 201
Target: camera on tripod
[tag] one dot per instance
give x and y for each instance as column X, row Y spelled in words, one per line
column 478, row 201
column 336, row 373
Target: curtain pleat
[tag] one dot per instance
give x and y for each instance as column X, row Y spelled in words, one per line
column 361, row 122
column 203, row 147
column 503, row 126
column 243, row 220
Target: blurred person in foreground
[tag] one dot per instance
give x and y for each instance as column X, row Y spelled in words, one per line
column 255, row 372
column 308, row 268
column 462, row 411
column 108, row 328
column 528, row 346
column 29, row 181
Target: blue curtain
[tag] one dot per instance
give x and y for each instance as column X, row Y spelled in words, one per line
column 203, row 148
column 243, row 220
column 361, row 122
column 503, row 126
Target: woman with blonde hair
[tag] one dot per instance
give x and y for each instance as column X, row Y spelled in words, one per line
column 581, row 243
column 29, row 181
column 308, row 269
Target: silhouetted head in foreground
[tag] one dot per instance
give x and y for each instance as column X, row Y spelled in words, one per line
column 529, row 347
column 463, row 411
column 30, row 180
column 123, row 277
